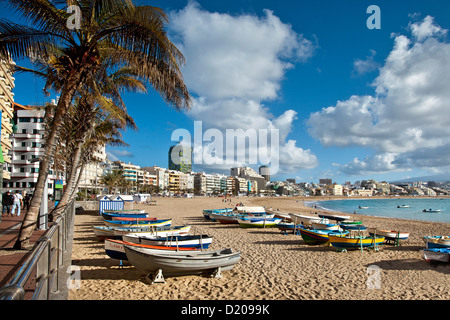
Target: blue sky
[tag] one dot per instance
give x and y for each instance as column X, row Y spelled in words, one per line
column 350, row 103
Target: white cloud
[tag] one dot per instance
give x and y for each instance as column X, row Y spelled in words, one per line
column 409, row 112
column 116, row 155
column 234, row 64
column 362, row 66
column 236, row 56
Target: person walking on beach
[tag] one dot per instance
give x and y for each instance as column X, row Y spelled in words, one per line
column 7, row 202
column 17, row 203
column 26, row 201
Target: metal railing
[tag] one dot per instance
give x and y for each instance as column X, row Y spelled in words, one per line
column 48, row 261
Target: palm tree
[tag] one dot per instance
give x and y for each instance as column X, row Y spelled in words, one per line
column 95, row 120
column 113, row 34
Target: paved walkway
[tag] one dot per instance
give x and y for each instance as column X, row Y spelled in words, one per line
column 11, row 260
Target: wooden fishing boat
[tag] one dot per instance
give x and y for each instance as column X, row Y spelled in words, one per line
column 181, row 263
column 230, row 218
column 115, row 248
column 133, row 219
column 104, row 232
column 314, row 236
column 258, row 222
column 111, row 215
column 252, row 210
column 207, row 212
column 288, row 226
column 346, row 242
column 437, row 242
column 130, row 224
column 437, row 254
column 325, row 226
column 278, row 214
column 354, row 227
column 157, row 231
column 389, row 235
column 335, row 217
column 298, row 218
column 202, row 241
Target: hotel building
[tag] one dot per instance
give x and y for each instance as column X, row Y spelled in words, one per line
column 27, row 147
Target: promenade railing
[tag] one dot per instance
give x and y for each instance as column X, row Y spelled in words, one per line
column 48, row 261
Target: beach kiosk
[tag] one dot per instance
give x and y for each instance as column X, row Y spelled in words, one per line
column 110, row 203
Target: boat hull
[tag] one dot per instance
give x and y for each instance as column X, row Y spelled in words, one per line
column 111, row 215
column 437, row 242
column 345, row 242
column 437, row 254
column 159, row 231
column 297, row 218
column 184, row 241
column 334, row 217
column 131, row 224
column 390, row 235
column 259, row 222
column 325, row 226
column 115, row 249
column 311, row 236
column 180, row 263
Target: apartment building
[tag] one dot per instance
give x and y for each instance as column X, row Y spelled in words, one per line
column 26, row 148
column 7, row 114
column 93, row 171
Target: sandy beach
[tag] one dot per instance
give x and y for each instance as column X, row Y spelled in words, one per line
column 273, row 266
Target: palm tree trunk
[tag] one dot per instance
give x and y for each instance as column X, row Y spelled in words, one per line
column 73, row 191
column 71, row 179
column 30, row 219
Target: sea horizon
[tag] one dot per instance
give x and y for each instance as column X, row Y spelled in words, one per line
column 389, row 207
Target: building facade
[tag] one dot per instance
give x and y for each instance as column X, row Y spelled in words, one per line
column 27, row 147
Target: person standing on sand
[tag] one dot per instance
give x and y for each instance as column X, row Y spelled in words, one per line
column 17, row 203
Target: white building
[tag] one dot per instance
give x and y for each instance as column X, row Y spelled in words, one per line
column 93, row 171
column 27, row 148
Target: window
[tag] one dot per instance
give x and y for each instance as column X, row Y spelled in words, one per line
column 31, row 184
column 24, row 119
column 34, row 170
column 24, row 184
column 24, row 144
column 22, row 169
column 35, row 144
column 23, row 157
column 35, row 131
column 24, row 130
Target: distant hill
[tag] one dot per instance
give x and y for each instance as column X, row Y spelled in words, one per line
column 444, row 177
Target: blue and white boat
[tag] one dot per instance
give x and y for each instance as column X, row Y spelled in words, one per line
column 258, row 222
column 111, row 215
column 153, row 223
column 437, row 242
column 202, row 241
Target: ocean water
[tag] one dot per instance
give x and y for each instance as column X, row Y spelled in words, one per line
column 388, row 208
